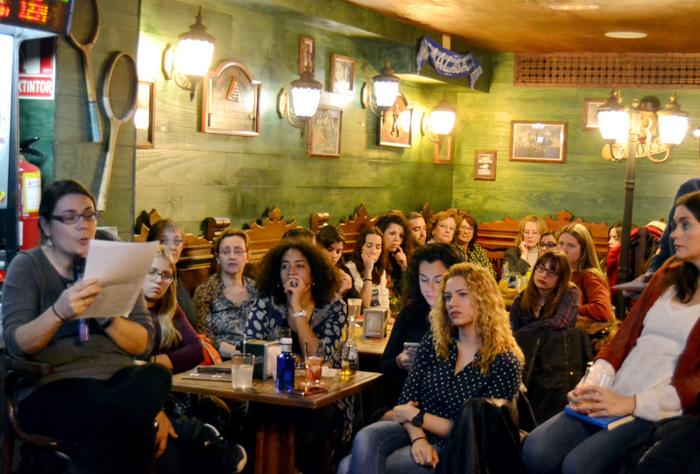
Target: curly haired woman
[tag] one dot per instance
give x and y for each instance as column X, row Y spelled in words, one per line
column 470, row 352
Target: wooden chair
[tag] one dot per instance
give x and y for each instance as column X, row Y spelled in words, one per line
column 214, row 226
column 355, row 224
column 318, row 221
column 262, row 237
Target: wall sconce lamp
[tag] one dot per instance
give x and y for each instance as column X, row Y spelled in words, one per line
column 306, row 94
column 439, row 123
column 190, row 60
column 631, row 134
column 386, row 88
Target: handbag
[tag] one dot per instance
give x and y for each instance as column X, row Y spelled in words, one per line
column 211, row 355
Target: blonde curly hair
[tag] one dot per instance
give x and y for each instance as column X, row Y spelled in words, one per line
column 495, row 334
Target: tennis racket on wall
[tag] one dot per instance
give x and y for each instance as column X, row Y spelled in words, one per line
column 84, row 28
column 119, row 98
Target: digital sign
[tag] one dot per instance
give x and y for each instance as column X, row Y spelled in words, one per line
column 45, row 15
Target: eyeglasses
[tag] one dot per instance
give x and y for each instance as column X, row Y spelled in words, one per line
column 531, row 233
column 543, row 269
column 468, row 229
column 175, row 242
column 71, row 217
column 236, row 252
column 548, row 245
column 153, row 275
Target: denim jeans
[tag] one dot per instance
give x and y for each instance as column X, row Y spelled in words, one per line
column 383, row 447
column 566, row 445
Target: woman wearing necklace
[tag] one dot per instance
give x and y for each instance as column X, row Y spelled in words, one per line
column 223, row 302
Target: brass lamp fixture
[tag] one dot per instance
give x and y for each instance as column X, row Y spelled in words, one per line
column 439, row 123
column 306, row 95
column 189, row 62
column 631, row 134
column 380, row 97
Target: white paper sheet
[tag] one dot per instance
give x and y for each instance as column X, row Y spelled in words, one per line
column 121, row 268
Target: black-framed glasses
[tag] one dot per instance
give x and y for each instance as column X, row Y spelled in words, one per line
column 236, row 252
column 71, row 217
column 548, row 245
column 548, row 271
column 175, row 242
column 153, row 275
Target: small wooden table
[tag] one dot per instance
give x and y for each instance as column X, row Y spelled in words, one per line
column 371, row 346
column 274, row 439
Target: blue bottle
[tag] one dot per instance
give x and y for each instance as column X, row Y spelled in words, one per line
column 285, row 366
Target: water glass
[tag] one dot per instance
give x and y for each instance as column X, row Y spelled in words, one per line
column 354, row 306
column 600, row 379
column 313, row 361
column 242, row 370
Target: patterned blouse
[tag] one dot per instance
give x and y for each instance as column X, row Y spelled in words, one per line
column 432, row 383
column 219, row 318
column 478, row 255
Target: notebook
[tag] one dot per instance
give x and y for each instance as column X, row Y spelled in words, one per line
column 605, row 422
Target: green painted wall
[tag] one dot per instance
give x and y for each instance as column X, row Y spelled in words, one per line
column 37, row 119
column 586, row 185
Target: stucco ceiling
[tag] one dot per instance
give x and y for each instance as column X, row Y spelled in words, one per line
column 532, row 26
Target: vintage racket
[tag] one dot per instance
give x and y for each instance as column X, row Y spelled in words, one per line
column 84, row 28
column 119, row 98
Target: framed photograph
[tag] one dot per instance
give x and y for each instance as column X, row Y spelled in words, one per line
column 144, row 117
column 443, row 151
column 542, row 142
column 342, row 74
column 324, row 132
column 395, row 126
column 231, row 101
column 485, row 165
column 307, row 54
column 590, row 113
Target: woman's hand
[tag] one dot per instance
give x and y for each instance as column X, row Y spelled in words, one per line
column 400, row 258
column 523, row 250
column 369, row 260
column 76, row 299
column 405, row 413
column 294, row 288
column 598, row 401
column 165, row 429
column 345, row 283
column 406, row 358
column 423, row 453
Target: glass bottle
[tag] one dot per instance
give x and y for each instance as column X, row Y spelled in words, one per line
column 285, row 366
column 349, row 362
column 503, row 283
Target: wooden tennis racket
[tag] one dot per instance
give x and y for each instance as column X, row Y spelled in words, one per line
column 119, row 98
column 84, row 28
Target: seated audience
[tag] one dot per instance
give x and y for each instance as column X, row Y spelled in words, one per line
column 298, row 289
column 576, row 243
column 172, row 235
column 223, row 302
column 416, row 225
column 469, row 352
column 653, row 361
column 548, row 242
column 423, row 276
column 465, row 240
column 368, row 268
column 550, row 300
column 612, row 259
column 522, row 257
column 95, row 396
column 399, row 249
column 444, row 225
column 332, row 241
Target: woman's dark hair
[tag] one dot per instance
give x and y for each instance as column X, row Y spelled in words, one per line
column 299, row 233
column 406, row 245
column 436, row 252
column 230, row 233
column 326, row 279
column 329, row 235
column 531, row 295
column 472, row 222
column 380, row 266
column 683, row 275
column 157, row 229
column 54, row 192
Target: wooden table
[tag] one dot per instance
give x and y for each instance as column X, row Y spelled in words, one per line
column 274, row 438
column 371, row 346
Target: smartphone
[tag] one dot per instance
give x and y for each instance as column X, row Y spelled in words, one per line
column 411, row 345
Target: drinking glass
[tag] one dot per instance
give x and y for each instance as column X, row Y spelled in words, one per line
column 592, row 378
column 242, row 370
column 313, row 361
column 354, row 305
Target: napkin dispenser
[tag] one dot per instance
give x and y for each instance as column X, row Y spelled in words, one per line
column 265, row 353
column 374, row 323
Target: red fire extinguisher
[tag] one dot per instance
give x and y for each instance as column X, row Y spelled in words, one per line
column 30, row 197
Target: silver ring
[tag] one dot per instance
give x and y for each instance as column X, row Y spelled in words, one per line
column 294, row 284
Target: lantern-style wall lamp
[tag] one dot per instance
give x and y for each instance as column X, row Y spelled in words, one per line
column 439, row 122
column 190, row 60
column 306, row 94
column 631, row 133
column 380, row 97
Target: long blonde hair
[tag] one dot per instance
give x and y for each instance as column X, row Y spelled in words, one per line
column 495, row 334
column 166, row 306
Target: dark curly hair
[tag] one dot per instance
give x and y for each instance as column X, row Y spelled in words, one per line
column 380, row 266
column 430, row 253
column 396, row 218
column 326, row 280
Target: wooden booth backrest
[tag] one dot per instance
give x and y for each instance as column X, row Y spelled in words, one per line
column 352, row 226
column 262, row 237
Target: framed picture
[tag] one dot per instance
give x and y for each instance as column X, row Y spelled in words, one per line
column 543, row 142
column 342, row 74
column 144, row 117
column 231, row 101
column 485, row 165
column 590, row 113
column 395, row 125
column 307, row 54
column 324, row 132
column 443, row 151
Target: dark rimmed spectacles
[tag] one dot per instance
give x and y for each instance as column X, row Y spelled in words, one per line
column 71, row 217
column 543, row 269
column 153, row 275
column 548, row 245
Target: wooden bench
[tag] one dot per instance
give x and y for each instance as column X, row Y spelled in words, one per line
column 263, row 236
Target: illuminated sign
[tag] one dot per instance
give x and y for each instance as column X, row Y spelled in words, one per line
column 45, row 15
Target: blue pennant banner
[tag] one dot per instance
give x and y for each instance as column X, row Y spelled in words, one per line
column 447, row 63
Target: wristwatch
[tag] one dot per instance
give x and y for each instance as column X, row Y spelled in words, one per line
column 300, row 314
column 417, row 420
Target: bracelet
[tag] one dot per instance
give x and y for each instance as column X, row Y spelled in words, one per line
column 56, row 313
column 366, row 279
column 420, row 437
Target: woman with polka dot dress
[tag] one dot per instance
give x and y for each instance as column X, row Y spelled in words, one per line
column 469, row 352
